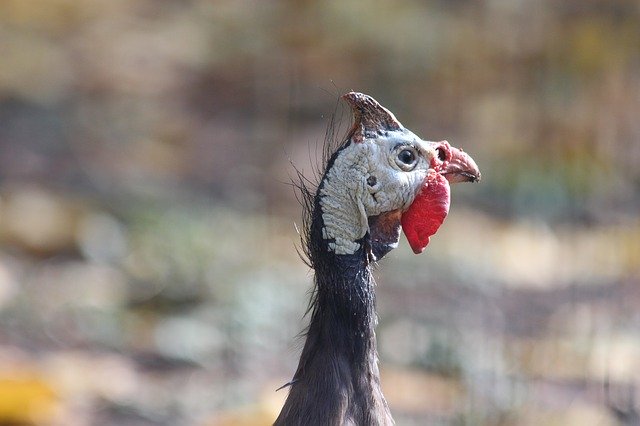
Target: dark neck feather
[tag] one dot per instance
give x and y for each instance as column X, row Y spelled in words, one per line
column 337, row 380
column 344, row 304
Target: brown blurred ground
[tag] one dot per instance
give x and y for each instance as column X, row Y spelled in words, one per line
column 148, row 272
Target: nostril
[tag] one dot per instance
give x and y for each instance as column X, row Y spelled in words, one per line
column 442, row 154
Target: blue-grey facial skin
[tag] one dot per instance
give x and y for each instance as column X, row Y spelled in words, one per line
column 396, row 163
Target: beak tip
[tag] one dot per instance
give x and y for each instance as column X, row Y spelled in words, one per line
column 457, row 177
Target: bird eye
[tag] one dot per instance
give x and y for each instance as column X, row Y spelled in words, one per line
column 407, row 159
column 442, row 154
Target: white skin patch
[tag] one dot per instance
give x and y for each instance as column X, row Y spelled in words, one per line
column 349, row 195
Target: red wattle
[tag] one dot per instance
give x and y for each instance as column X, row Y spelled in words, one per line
column 427, row 212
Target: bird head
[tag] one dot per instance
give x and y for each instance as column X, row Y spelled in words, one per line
column 384, row 179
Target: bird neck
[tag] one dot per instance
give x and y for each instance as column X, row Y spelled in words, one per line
column 343, row 311
column 343, row 315
column 337, row 379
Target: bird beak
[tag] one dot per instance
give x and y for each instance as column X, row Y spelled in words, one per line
column 431, row 205
column 460, row 167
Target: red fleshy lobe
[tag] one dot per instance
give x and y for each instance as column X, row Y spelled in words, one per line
column 427, row 212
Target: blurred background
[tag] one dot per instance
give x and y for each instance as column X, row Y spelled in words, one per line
column 148, row 270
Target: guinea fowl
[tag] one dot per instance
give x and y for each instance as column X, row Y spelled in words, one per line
column 381, row 179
